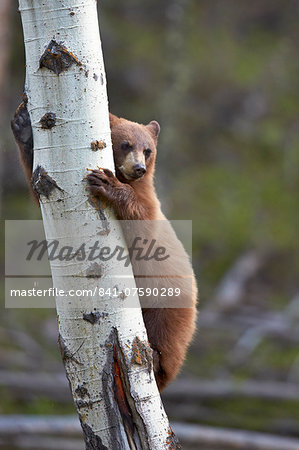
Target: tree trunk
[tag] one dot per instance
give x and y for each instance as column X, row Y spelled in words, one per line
column 103, row 341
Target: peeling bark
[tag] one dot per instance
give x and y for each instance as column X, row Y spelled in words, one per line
column 42, row 183
column 97, row 145
column 57, row 58
column 48, row 120
column 142, row 353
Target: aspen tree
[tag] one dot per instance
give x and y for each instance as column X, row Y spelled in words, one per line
column 103, row 342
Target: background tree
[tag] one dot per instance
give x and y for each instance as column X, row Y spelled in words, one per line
column 5, row 8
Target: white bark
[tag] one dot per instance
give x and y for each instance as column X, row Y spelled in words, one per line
column 77, row 96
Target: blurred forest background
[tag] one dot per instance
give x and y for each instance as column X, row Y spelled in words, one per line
column 222, row 79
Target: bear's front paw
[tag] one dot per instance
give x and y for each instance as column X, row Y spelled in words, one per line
column 102, row 183
column 21, row 126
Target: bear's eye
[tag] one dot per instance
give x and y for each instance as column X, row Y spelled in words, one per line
column 125, row 145
column 147, row 153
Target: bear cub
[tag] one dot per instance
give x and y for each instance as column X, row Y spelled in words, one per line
column 131, row 193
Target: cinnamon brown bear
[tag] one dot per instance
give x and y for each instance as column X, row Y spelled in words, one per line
column 132, row 194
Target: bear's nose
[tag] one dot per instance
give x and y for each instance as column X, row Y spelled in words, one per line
column 139, row 169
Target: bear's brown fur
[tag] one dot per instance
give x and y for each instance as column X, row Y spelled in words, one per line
column 132, row 195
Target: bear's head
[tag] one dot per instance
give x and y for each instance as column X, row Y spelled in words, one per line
column 134, row 148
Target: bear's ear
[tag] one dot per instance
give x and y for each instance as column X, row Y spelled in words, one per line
column 113, row 120
column 154, row 128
